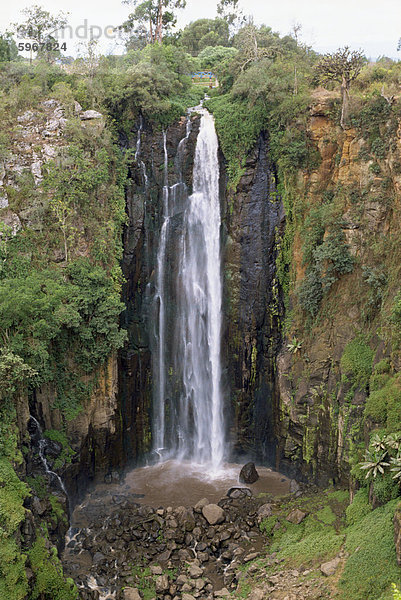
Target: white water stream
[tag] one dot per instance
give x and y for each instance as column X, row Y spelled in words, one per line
column 188, row 366
column 42, row 455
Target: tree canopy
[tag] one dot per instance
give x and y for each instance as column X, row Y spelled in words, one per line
column 202, row 33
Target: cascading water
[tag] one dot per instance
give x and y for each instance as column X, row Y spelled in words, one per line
column 42, row 442
column 188, row 416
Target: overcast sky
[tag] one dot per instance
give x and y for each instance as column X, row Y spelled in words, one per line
column 370, row 25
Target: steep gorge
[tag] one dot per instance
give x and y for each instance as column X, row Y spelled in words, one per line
column 297, row 405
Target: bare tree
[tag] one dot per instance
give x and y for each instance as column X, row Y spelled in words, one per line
column 343, row 66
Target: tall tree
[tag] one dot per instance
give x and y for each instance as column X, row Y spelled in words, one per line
column 343, row 66
column 152, row 16
column 231, row 13
column 40, row 26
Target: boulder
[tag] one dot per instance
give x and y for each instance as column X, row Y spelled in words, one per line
column 213, row 514
column 199, row 505
column 156, row 570
column 195, row 571
column 248, row 473
column 238, row 492
column 264, row 512
column 162, row 584
column 296, row 516
column 223, row 593
column 330, row 567
column 88, row 115
column 130, row 593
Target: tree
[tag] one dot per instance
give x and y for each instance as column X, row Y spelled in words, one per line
column 204, row 33
column 40, row 27
column 256, row 43
column 89, row 58
column 216, row 56
column 151, row 18
column 343, row 66
column 8, row 48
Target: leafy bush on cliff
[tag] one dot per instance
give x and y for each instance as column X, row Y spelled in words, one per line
column 384, row 402
column 356, row 361
column 329, row 260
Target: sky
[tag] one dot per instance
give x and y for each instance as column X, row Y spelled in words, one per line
column 372, row 26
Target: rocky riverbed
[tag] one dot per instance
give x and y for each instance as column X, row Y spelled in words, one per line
column 123, row 541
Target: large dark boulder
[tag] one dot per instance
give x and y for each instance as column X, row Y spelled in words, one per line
column 248, row 473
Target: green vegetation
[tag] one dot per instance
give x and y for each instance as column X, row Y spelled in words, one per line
column 368, row 568
column 13, row 581
column 371, row 566
column 66, row 453
column 49, row 581
column 384, row 401
column 257, row 86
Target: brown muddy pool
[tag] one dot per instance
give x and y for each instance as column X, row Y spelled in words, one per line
column 174, row 484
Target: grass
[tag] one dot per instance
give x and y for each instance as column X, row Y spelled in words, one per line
column 372, row 566
column 366, row 535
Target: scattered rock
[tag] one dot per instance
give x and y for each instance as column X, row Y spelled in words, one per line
column 296, row 516
column 248, row 473
column 156, row 570
column 188, row 597
column 251, row 556
column 213, row 514
column 330, row 567
column 294, row 486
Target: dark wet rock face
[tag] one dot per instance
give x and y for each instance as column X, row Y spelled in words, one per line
column 248, row 473
column 254, row 216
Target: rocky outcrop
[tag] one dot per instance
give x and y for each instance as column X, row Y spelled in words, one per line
column 320, row 409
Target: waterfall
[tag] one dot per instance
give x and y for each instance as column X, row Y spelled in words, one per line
column 188, row 417
column 42, row 442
